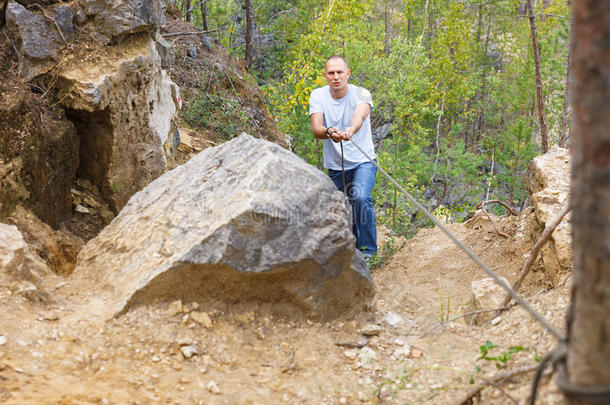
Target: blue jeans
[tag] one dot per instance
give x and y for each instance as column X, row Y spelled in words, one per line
column 360, row 181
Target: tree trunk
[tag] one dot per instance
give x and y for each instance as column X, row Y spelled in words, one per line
column 544, row 142
column 249, row 29
column 386, row 48
column 589, row 323
column 188, row 11
column 204, row 15
column 566, row 98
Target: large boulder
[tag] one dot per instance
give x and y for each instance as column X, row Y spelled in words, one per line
column 244, row 221
column 122, row 104
column 548, row 183
column 21, row 271
column 113, row 20
column 39, row 41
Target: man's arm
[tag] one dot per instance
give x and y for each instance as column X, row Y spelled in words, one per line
column 320, row 131
column 360, row 114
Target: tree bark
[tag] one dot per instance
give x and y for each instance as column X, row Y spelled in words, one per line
column 589, row 323
column 188, row 11
column 204, row 15
column 386, row 47
column 249, row 29
column 565, row 129
column 544, row 142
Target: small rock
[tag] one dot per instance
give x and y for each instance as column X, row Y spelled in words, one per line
column 416, row 353
column 189, row 351
column 80, row 209
column 245, row 318
column 399, row 342
column 385, row 392
column 2, row 340
column 496, row 320
column 342, row 400
column 213, row 387
column 362, row 397
column 371, row 329
column 367, row 355
column 350, row 354
column 401, row 352
column 156, row 359
column 83, row 183
column 392, row 319
column 202, row 317
column 90, row 201
column 106, row 215
column 174, row 308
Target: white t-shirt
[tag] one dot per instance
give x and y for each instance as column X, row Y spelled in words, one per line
column 338, row 113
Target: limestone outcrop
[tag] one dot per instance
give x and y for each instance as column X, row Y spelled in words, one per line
column 21, row 271
column 548, row 183
column 123, row 105
column 110, row 81
column 244, row 221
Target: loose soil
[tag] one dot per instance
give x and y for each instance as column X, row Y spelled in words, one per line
column 55, row 354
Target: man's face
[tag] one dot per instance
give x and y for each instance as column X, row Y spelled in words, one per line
column 336, row 74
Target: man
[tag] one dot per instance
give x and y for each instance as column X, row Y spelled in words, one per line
column 339, row 112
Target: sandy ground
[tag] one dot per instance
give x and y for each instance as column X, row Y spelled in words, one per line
column 172, row 354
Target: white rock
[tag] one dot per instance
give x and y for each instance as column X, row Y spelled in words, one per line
column 496, row 320
column 401, row 353
column 189, row 351
column 2, row 340
column 367, row 356
column 80, row 209
column 213, row 387
column 371, row 329
column 350, row 354
column 202, row 317
column 174, row 308
column 392, row 319
column 399, row 342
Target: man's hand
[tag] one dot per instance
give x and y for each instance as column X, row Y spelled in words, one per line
column 334, row 134
column 347, row 133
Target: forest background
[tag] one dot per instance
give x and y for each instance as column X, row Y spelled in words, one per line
column 466, row 92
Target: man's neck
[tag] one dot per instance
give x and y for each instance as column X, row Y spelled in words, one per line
column 339, row 93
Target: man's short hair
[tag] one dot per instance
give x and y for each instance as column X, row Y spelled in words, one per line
column 337, row 57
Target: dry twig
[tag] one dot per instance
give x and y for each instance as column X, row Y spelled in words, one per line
column 482, row 205
column 501, row 376
column 175, row 34
column 546, row 234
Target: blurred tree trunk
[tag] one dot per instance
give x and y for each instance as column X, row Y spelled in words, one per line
column 204, row 15
column 565, row 128
column 544, row 141
column 188, row 11
column 589, row 324
column 249, row 29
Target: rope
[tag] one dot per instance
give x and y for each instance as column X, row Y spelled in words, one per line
column 557, row 358
column 343, row 171
column 473, row 256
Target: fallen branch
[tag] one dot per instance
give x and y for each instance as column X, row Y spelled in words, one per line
column 175, row 34
column 483, row 204
column 546, row 234
column 501, row 376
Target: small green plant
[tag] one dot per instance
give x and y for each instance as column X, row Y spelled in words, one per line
column 445, row 310
column 388, row 250
column 501, row 359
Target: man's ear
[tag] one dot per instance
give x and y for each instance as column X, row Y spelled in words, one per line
column 349, row 74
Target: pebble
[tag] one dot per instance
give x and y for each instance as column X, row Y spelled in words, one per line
column 174, row 308
column 496, row 321
column 213, row 387
column 2, row 340
column 362, row 397
column 371, row 329
column 202, row 317
column 392, row 319
column 399, row 342
column 80, row 209
column 189, row 351
column 367, row 355
column 350, row 354
column 401, row 352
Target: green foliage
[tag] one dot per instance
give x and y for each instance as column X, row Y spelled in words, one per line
column 389, row 248
column 501, row 359
column 457, row 84
column 223, row 116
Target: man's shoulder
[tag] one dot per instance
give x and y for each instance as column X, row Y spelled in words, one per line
column 320, row 91
column 362, row 94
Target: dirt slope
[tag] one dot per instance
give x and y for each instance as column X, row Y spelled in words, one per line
column 245, row 355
